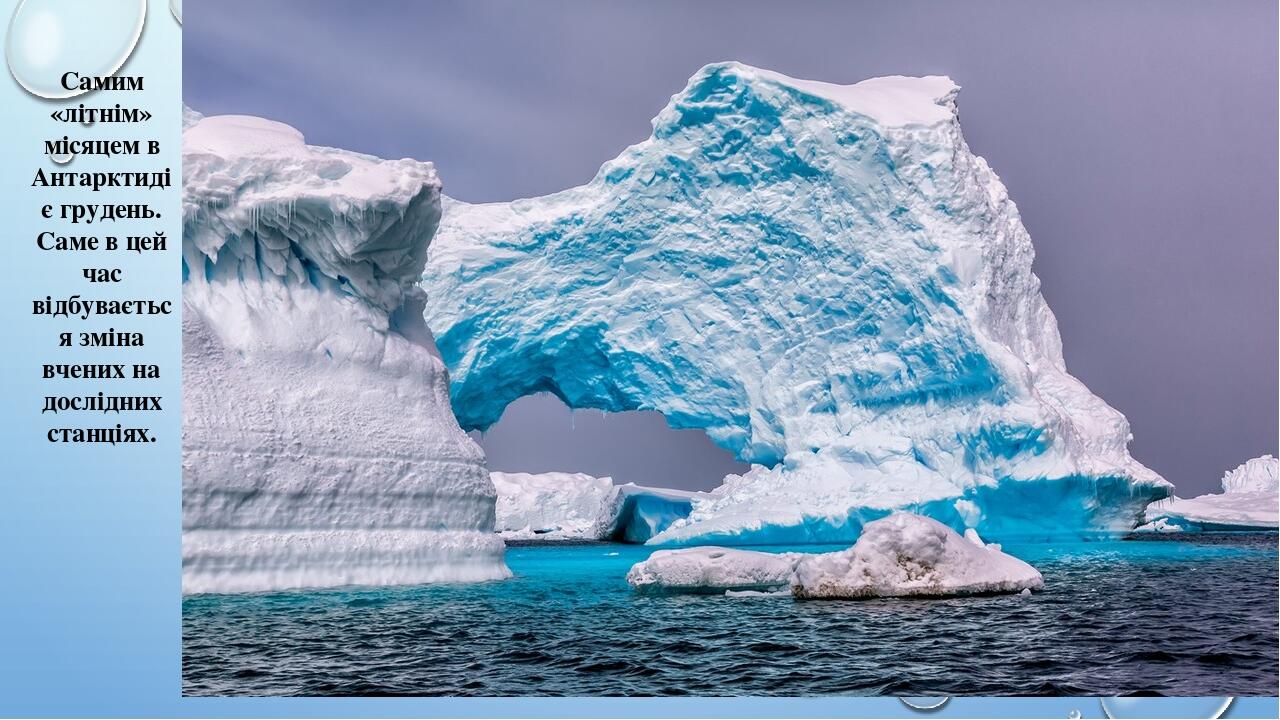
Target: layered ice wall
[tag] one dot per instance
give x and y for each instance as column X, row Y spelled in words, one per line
column 827, row 281
column 319, row 447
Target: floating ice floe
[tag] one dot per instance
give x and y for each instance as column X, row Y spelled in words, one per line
column 318, row 443
column 712, row 570
column 575, row 506
column 827, row 281
column 897, row 556
column 1249, row 501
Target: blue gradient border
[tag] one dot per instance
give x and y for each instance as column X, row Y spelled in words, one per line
column 90, row 603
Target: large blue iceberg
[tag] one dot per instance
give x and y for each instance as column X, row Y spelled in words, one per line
column 827, row 281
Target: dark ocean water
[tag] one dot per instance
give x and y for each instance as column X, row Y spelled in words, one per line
column 1183, row 616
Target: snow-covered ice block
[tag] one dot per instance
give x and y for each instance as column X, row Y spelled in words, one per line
column 712, row 570
column 910, row 555
column 319, row 446
column 827, row 281
column 576, row 506
column 900, row 555
column 1249, row 501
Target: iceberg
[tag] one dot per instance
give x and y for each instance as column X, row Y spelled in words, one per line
column 827, row 281
column 318, row 446
column 553, row 506
column 1258, row 475
column 897, row 556
column 1249, row 501
column 575, row 506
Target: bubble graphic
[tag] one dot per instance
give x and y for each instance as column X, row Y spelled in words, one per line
column 1074, row 715
column 175, row 7
column 1134, row 708
column 925, row 702
column 93, row 38
column 61, row 158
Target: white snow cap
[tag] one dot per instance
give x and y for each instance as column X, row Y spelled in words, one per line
column 892, row 101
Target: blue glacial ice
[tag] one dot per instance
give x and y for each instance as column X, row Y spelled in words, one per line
column 318, row 447
column 827, row 281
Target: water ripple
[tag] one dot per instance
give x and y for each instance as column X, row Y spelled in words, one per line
column 1190, row 617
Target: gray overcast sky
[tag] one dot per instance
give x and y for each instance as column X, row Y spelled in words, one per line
column 1139, row 140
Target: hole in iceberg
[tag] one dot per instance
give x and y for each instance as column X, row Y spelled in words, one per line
column 539, row 433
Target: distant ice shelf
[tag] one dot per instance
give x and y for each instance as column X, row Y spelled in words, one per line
column 827, row 281
column 1249, row 501
column 575, row 506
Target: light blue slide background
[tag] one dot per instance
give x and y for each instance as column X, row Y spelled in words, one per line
column 89, row 534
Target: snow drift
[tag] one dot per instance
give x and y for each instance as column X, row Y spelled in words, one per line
column 319, row 447
column 897, row 556
column 575, row 506
column 828, row 282
column 1249, row 501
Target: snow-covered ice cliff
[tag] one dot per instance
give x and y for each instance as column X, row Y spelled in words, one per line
column 1258, row 475
column 1250, row 500
column 827, row 281
column 576, row 506
column 319, row 447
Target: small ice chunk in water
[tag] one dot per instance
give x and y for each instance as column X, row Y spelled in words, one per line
column 905, row 554
column 712, row 570
column 899, row 555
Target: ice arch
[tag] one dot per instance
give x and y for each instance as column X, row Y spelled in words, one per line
column 540, row 434
column 827, row 281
